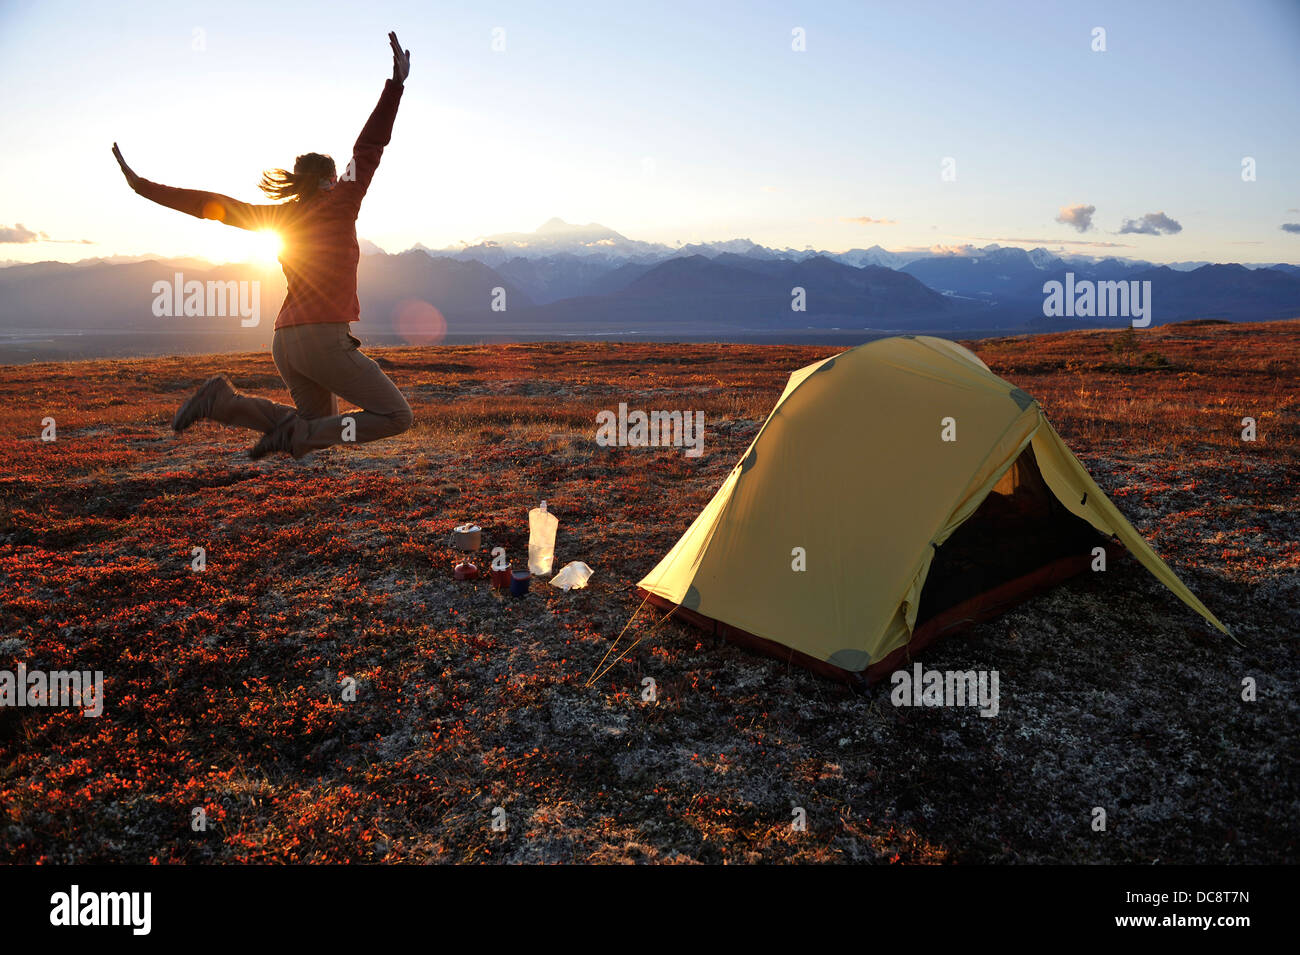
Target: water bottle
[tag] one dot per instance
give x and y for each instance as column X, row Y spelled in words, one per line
column 542, row 525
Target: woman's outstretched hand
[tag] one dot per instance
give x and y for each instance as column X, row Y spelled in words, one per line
column 132, row 179
column 401, row 60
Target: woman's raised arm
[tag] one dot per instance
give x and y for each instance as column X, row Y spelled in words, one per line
column 378, row 130
column 203, row 205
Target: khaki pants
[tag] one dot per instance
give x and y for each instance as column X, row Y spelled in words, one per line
column 321, row 363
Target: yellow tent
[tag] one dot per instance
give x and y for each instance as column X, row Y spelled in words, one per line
column 895, row 464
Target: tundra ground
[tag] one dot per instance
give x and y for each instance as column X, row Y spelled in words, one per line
column 224, row 686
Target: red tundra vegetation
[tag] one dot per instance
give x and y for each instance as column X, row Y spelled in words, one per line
column 225, row 687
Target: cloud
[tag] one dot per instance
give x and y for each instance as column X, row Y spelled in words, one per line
column 1092, row 242
column 1153, row 223
column 1078, row 216
column 20, row 233
column 1291, row 226
column 867, row 220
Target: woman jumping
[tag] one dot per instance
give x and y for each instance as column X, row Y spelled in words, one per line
column 313, row 350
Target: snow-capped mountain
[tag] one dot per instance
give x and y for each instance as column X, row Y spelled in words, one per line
column 555, row 237
column 873, row 256
column 1042, row 259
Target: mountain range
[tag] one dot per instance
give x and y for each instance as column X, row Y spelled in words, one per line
column 566, row 280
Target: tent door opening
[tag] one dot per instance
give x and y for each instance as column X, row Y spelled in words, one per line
column 1018, row 529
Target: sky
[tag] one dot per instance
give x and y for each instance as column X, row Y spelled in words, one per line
column 670, row 122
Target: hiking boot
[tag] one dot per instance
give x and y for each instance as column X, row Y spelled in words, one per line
column 200, row 404
column 278, row 439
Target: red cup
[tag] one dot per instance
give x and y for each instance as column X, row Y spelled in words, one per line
column 501, row 578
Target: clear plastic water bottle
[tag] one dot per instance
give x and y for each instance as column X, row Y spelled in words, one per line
column 542, row 525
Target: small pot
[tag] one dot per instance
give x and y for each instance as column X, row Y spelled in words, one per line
column 466, row 571
column 467, row 537
column 519, row 582
column 501, row 578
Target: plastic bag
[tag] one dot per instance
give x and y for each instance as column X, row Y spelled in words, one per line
column 572, row 576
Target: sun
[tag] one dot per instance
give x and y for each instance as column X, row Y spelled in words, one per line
column 267, row 245
column 260, row 248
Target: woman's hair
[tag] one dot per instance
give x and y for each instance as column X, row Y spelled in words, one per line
column 305, row 180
